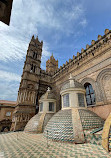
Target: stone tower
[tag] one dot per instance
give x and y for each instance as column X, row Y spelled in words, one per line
column 51, row 65
column 29, row 85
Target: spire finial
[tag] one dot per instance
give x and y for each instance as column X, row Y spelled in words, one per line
column 33, row 37
column 48, row 89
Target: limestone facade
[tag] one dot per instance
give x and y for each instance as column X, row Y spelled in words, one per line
column 6, row 111
column 92, row 66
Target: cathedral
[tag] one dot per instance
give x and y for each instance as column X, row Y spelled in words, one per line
column 91, row 68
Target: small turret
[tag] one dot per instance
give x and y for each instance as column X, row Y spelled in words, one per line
column 51, row 65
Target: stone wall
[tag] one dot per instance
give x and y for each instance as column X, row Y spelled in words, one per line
column 92, row 65
column 103, row 111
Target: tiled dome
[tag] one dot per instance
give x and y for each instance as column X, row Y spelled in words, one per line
column 33, row 124
column 72, row 83
column 63, row 127
column 37, row 123
column 48, row 95
column 47, row 108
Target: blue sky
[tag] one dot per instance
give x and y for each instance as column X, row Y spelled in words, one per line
column 65, row 26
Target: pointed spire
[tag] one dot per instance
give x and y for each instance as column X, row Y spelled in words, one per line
column 33, row 37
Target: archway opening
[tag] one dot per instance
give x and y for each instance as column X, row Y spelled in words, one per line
column 90, row 95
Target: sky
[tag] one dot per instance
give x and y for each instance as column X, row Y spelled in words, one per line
column 65, row 26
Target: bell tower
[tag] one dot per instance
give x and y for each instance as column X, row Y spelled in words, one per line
column 51, row 65
column 29, row 85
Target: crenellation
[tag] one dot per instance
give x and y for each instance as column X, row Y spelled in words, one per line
column 63, row 65
column 82, row 50
column 73, row 57
column 93, row 42
column 99, row 37
column 106, row 31
column 78, row 54
column 87, row 46
column 85, row 55
column 90, row 49
column 70, row 60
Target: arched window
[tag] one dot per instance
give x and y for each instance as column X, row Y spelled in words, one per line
column 90, row 95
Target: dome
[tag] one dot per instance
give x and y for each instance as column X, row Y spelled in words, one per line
column 47, row 108
column 69, row 124
column 48, row 95
column 72, row 83
column 37, row 123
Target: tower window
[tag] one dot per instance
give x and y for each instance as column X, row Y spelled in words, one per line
column 34, row 69
column 90, row 95
column 51, row 106
column 34, row 55
column 66, row 100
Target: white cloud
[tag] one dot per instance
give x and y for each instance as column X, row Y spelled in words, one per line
column 84, row 22
column 8, row 90
column 8, row 76
column 28, row 17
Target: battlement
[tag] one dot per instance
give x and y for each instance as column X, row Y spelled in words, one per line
column 45, row 72
column 85, row 54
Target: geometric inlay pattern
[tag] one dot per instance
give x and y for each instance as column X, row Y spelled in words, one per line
column 90, row 120
column 60, row 126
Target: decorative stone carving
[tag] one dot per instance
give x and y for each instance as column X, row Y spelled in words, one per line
column 104, row 85
column 107, row 86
